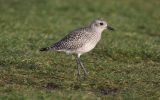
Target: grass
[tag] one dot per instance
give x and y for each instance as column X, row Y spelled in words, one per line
column 124, row 65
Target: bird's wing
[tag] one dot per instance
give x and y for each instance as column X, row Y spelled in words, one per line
column 74, row 40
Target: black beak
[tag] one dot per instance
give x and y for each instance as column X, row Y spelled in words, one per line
column 110, row 28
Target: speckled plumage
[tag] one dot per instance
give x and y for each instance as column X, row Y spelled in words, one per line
column 76, row 40
column 72, row 41
column 81, row 40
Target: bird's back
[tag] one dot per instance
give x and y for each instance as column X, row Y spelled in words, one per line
column 74, row 40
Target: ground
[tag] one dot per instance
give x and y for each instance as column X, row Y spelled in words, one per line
column 124, row 65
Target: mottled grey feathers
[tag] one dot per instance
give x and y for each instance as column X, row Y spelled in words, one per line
column 73, row 40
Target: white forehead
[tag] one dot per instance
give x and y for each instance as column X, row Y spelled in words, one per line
column 100, row 21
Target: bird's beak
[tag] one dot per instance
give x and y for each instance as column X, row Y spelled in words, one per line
column 110, row 28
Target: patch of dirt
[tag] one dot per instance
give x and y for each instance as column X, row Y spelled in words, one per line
column 108, row 91
column 51, row 86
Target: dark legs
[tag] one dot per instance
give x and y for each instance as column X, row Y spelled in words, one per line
column 78, row 68
column 80, row 64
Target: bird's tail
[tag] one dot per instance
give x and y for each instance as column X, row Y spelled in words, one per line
column 45, row 49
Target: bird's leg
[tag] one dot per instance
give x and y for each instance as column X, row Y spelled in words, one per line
column 78, row 68
column 81, row 64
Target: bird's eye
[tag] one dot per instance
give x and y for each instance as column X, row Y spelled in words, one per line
column 101, row 23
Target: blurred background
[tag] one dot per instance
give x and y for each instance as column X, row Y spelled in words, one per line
column 124, row 65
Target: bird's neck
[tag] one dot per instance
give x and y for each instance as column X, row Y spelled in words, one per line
column 97, row 30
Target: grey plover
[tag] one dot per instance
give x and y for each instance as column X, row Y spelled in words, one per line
column 80, row 41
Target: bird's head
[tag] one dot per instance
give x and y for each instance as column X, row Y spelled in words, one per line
column 100, row 25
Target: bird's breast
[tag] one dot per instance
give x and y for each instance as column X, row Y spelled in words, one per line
column 90, row 43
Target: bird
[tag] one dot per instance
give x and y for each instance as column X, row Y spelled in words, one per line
column 80, row 41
